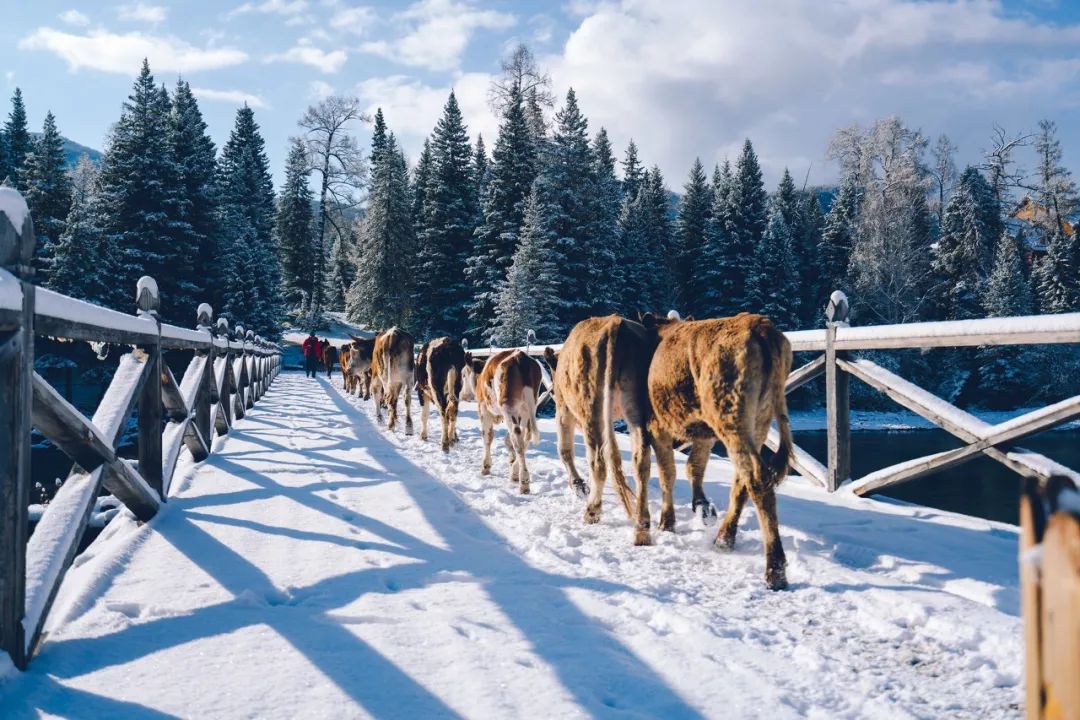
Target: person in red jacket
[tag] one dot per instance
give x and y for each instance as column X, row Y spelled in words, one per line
column 312, row 354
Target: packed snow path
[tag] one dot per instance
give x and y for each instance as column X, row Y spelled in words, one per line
column 320, row 566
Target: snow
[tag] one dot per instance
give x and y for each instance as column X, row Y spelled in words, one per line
column 54, row 305
column 318, row 566
column 14, row 206
column 10, row 291
column 956, row 333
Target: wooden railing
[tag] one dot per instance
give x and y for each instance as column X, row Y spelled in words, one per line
column 227, row 374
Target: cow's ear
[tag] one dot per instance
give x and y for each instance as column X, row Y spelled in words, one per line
column 647, row 319
column 550, row 357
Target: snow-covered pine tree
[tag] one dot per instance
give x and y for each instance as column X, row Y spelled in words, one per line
column 970, row 229
column 1057, row 275
column 773, row 281
column 606, row 268
column 442, row 290
column 197, row 238
column 512, row 172
column 654, row 243
column 480, row 170
column 141, row 202
column 632, row 171
column 529, row 297
column 294, row 230
column 47, row 187
column 1056, row 188
column 814, row 294
column 694, row 208
column 381, row 294
column 17, row 141
column 81, row 263
column 747, row 216
column 380, row 139
column 1007, row 374
column 341, row 265
column 251, row 286
column 838, row 237
column 534, row 114
column 723, row 269
column 569, row 183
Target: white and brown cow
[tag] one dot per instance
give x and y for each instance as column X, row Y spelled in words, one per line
column 724, row 379
column 439, row 369
column 355, row 359
column 392, row 370
column 507, row 391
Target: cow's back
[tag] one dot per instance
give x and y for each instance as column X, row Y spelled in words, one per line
column 443, row 355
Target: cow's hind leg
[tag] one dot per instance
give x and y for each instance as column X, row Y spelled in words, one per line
column 378, row 391
column 639, row 440
column 487, row 429
column 517, row 433
column 406, row 384
column 663, row 445
column 424, row 404
column 392, row 402
column 764, row 497
column 695, row 470
column 594, row 452
column 564, row 429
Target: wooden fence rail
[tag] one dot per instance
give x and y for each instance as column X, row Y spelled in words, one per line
column 228, row 373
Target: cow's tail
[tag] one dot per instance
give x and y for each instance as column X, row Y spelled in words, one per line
column 611, row 450
column 451, row 391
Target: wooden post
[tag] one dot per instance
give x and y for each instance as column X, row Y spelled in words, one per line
column 16, row 377
column 204, row 398
column 150, row 406
column 837, row 403
column 224, row 421
column 249, row 360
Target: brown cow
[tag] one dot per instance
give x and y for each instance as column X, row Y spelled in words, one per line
column 473, row 367
column 506, row 391
column 391, row 372
column 438, row 377
column 356, row 366
column 600, row 376
column 724, row 378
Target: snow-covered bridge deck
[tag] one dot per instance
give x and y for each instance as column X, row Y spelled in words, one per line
column 318, row 566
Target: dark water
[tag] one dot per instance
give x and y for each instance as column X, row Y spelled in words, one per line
column 981, row 487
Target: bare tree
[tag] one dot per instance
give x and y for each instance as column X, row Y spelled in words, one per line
column 1054, row 183
column 519, row 69
column 998, row 164
column 334, row 154
column 943, row 171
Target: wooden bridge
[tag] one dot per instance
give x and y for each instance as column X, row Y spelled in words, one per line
column 229, row 371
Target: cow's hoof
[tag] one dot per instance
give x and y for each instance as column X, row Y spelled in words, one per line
column 408, row 430
column 524, row 488
column 446, row 447
column 705, row 511
column 642, row 536
column 485, row 470
column 580, row 490
column 592, row 516
column 667, row 520
column 776, row 578
column 423, row 434
column 725, row 542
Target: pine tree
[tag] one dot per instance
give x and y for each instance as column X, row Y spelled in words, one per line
column 749, row 201
column 418, row 187
column 197, row 237
column 141, row 203
column 379, row 138
column 814, row 292
column 568, row 181
column 970, row 228
column 719, row 268
column 1006, row 373
column 442, row 291
column 480, row 170
column 81, row 263
column 512, row 172
column 1057, row 190
column 694, row 207
column 838, row 237
column 47, row 187
column 647, row 238
column 529, row 298
column 632, row 172
column 294, row 231
column 17, row 141
column 607, row 253
column 773, row 282
column 534, row 114
column 251, row 285
column 380, row 296
column 341, row 265
column 1006, row 292
column 1058, row 274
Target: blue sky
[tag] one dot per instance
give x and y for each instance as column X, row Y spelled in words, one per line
column 684, row 78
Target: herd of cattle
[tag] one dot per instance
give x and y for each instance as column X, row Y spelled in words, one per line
column 670, row 380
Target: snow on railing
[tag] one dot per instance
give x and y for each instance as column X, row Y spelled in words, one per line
column 228, row 374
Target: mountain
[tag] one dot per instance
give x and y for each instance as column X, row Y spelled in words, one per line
column 73, row 151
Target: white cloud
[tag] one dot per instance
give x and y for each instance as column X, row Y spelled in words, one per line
column 319, row 90
column 696, row 77
column 74, row 17
column 272, row 7
column 356, row 20
column 142, row 12
column 306, row 53
column 123, row 53
column 412, row 107
column 236, row 97
column 436, row 33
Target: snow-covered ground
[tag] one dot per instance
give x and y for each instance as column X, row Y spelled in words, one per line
column 319, row 566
